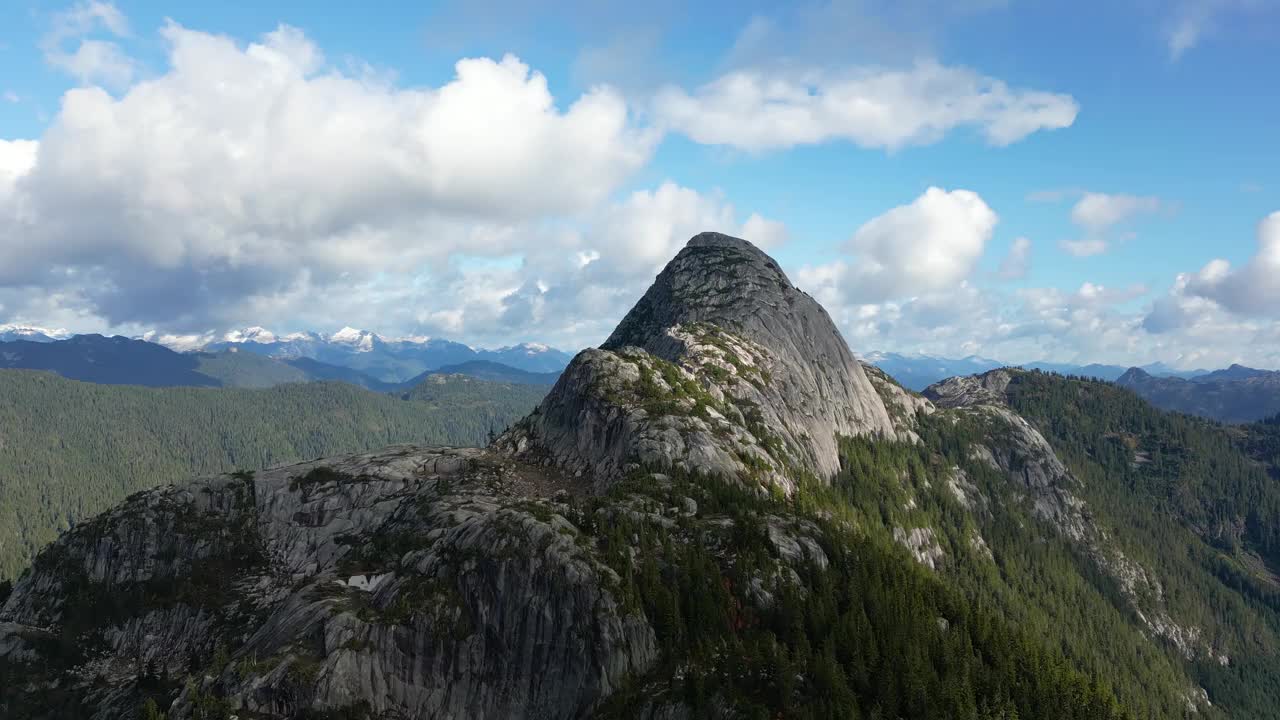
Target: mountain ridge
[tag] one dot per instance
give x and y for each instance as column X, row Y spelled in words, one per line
column 917, row 372
column 1234, row 395
column 119, row 360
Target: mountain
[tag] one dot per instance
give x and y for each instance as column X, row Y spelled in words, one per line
column 316, row 370
column 1179, row 512
column 108, row 360
column 388, row 360
column 1097, row 371
column 497, row 372
column 1235, row 372
column 918, row 372
column 10, row 333
column 233, row 368
column 69, row 449
column 463, row 392
column 246, row 370
column 1160, row 369
column 720, row 512
column 532, row 357
column 1235, row 395
column 122, row 361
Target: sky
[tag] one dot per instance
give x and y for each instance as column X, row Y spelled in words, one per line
column 1069, row 181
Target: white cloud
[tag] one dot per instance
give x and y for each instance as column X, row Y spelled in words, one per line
column 1185, row 31
column 1253, row 289
column 17, row 157
column 758, row 110
column 244, row 178
column 929, row 245
column 85, row 17
column 92, row 60
column 96, row 61
column 180, row 343
column 1189, row 22
column 1178, row 310
column 590, row 279
column 11, row 97
column 1097, row 214
column 1017, row 263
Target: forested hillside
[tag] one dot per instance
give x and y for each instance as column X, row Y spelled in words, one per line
column 70, row 449
column 459, row 389
column 1179, row 497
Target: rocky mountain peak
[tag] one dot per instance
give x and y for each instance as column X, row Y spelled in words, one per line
column 717, row 279
column 985, row 389
column 1132, row 375
column 723, row 367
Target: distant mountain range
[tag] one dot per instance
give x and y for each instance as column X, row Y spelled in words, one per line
column 920, row 371
column 9, row 333
column 107, row 360
column 1237, row 394
column 123, row 361
column 392, row 360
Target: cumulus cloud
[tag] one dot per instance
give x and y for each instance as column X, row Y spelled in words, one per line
column 1091, row 323
column 615, row 257
column 17, row 157
column 1017, row 263
column 767, row 109
column 1179, row 310
column 928, row 245
column 248, row 176
column 1254, row 288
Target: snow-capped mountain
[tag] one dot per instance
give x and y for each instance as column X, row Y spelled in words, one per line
column 253, row 334
column 386, row 358
column 10, row 333
column 359, row 340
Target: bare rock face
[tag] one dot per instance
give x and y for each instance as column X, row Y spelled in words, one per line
column 412, row 582
column 970, row 390
column 1020, row 451
column 723, row 367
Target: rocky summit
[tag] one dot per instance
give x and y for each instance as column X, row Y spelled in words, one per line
column 723, row 368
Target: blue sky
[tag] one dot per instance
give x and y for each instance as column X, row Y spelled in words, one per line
column 1022, row 180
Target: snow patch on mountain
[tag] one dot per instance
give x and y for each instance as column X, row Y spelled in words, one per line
column 251, row 334
column 362, row 340
column 11, row 332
